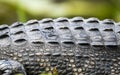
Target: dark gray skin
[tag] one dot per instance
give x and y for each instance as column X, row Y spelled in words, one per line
column 74, row 46
column 9, row 67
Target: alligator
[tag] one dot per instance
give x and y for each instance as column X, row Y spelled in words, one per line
column 72, row 46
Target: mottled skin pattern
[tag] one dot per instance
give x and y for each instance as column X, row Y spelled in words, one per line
column 75, row 46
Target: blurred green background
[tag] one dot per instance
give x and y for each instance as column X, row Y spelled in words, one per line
column 23, row 10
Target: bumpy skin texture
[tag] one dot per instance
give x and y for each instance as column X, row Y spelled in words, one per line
column 74, row 46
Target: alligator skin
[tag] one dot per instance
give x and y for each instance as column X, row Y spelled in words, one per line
column 75, row 46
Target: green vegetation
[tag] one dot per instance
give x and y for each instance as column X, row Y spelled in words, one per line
column 55, row 72
column 23, row 10
column 21, row 14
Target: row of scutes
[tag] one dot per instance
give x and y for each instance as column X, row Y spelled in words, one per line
column 61, row 30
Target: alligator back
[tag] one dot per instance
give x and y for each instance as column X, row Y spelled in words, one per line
column 74, row 46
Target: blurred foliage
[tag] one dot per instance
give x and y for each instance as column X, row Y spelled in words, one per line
column 22, row 10
column 54, row 72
